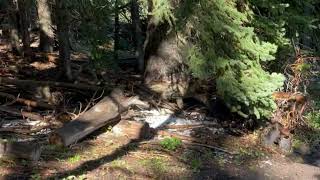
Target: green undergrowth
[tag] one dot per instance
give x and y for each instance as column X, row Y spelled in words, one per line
column 171, row 144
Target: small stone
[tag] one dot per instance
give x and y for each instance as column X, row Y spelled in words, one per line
column 285, row 144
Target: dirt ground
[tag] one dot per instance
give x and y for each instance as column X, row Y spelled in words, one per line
column 108, row 157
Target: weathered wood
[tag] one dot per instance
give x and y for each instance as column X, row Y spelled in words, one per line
column 107, row 111
column 28, row 83
column 27, row 102
column 132, row 129
column 24, row 150
column 30, row 115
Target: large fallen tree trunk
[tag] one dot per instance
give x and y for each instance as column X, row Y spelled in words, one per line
column 25, row 150
column 105, row 112
column 28, row 83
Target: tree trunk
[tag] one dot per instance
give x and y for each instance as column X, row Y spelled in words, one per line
column 63, row 38
column 46, row 31
column 165, row 72
column 24, row 12
column 137, row 38
column 13, row 29
column 116, row 30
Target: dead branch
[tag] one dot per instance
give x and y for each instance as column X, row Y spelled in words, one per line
column 30, row 103
column 28, row 83
column 188, row 126
column 30, row 115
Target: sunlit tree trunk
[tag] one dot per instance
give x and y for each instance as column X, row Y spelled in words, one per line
column 45, row 22
column 63, row 38
column 165, row 72
column 24, row 12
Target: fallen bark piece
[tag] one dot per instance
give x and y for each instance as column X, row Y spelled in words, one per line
column 30, row 115
column 27, row 102
column 28, row 83
column 24, row 150
column 105, row 112
column 133, row 130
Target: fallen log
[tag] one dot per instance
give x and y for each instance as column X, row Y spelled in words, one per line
column 30, row 115
column 106, row 112
column 24, row 150
column 27, row 102
column 28, row 83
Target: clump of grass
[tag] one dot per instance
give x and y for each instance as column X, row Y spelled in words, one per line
column 72, row 177
column 156, row 165
column 194, row 159
column 74, row 159
column 121, row 164
column 35, row 176
column 196, row 164
column 171, row 144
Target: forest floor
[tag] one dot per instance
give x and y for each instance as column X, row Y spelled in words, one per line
column 106, row 156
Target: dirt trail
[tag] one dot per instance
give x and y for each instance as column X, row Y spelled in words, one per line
column 283, row 168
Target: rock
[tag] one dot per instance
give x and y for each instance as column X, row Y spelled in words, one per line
column 270, row 136
column 285, row 144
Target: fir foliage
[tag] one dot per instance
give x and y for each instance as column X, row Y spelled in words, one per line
column 226, row 47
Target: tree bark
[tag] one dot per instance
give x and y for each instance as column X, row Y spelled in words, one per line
column 13, row 29
column 63, row 38
column 46, row 31
column 24, row 12
column 116, row 30
column 166, row 72
column 137, row 38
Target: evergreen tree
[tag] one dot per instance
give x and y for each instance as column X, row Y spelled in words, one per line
column 224, row 45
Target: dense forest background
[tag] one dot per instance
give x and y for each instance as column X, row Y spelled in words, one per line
column 254, row 60
column 239, row 44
